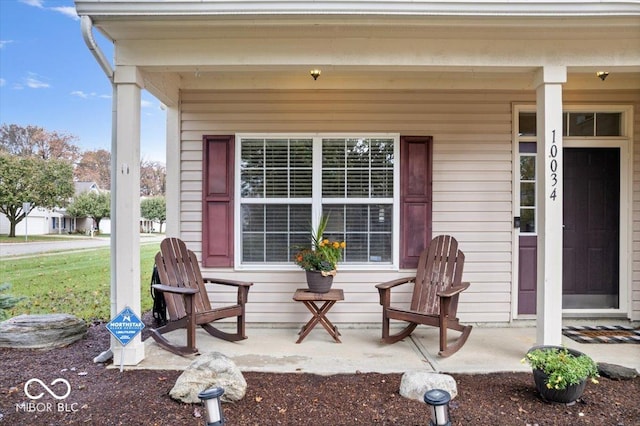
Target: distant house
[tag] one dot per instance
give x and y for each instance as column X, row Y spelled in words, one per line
column 39, row 221
column 42, row 221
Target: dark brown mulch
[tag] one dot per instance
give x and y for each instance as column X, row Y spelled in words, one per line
column 104, row 396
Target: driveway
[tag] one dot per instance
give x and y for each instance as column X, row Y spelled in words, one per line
column 73, row 243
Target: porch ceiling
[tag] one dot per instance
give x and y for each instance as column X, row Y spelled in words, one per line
column 467, row 45
column 154, row 27
column 377, row 78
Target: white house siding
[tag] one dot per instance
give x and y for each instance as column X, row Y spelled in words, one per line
column 38, row 222
column 472, row 184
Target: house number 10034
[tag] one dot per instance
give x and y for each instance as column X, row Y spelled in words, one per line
column 553, row 166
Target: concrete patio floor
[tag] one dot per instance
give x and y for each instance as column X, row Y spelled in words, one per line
column 273, row 349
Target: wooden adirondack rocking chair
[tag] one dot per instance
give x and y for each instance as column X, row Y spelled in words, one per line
column 437, row 285
column 187, row 300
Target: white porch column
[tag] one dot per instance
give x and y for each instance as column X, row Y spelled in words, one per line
column 173, row 172
column 126, row 211
column 549, row 82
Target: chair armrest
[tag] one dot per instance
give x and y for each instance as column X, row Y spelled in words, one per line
column 233, row 283
column 242, row 286
column 175, row 290
column 390, row 284
column 452, row 291
column 384, row 289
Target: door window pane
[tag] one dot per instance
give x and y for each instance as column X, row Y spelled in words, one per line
column 608, row 124
column 527, row 167
column 581, row 124
column 527, row 187
column 527, row 220
column 527, row 124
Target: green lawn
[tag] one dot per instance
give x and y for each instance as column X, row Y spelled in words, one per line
column 4, row 238
column 76, row 283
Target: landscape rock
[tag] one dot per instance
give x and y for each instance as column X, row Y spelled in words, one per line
column 210, row 370
column 414, row 384
column 42, row 331
column 616, row 372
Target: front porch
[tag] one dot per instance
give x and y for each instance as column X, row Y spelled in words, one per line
column 489, row 349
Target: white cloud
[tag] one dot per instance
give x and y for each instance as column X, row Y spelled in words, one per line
column 146, row 104
column 2, row 82
column 3, row 43
column 80, row 94
column 69, row 11
column 85, row 95
column 35, row 3
column 35, row 82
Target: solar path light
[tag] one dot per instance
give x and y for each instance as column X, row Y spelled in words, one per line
column 212, row 406
column 438, row 402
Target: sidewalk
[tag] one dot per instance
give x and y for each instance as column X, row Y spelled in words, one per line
column 274, row 350
column 68, row 244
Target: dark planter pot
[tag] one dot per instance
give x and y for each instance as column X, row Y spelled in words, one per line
column 565, row 396
column 318, row 283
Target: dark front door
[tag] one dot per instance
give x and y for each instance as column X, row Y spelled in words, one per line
column 591, row 228
column 591, row 234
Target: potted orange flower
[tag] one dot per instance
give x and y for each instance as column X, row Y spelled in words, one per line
column 320, row 260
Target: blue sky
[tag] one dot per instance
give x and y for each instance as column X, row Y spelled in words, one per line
column 48, row 78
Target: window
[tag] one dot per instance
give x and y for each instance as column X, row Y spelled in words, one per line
column 285, row 183
column 592, row 124
column 527, row 187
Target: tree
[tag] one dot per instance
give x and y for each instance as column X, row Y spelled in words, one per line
column 153, row 178
column 154, row 209
column 41, row 183
column 33, row 141
column 96, row 205
column 94, row 166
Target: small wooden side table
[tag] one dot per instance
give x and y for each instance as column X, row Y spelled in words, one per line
column 319, row 312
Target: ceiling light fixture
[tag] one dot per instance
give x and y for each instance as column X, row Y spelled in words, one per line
column 315, row 73
column 602, row 75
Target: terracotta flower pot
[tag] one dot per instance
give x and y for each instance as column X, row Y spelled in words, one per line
column 318, row 283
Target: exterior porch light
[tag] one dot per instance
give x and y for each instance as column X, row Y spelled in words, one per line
column 315, row 73
column 602, row 75
column 212, row 406
column 438, row 402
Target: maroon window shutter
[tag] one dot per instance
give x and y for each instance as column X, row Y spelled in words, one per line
column 415, row 197
column 217, row 208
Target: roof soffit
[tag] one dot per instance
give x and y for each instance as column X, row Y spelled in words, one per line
column 119, row 19
column 175, row 8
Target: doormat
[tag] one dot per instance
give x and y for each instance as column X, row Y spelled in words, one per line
column 603, row 334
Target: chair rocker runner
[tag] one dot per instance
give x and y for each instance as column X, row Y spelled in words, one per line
column 187, row 301
column 437, row 285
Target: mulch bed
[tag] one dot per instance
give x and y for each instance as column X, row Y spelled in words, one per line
column 101, row 395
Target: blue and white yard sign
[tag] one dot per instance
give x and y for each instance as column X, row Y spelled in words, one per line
column 125, row 326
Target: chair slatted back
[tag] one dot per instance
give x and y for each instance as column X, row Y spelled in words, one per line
column 178, row 267
column 439, row 268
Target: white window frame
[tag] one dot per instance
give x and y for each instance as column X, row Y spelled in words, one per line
column 316, row 199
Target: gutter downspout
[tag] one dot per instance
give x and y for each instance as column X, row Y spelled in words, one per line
column 86, row 26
